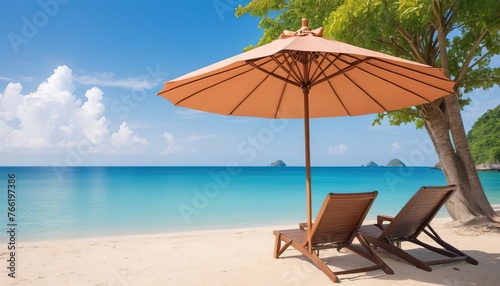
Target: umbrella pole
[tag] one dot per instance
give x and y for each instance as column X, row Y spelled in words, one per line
column 308, row 167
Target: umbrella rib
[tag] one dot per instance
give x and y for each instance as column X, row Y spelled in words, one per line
column 367, row 94
column 205, row 77
column 402, row 75
column 249, row 94
column 296, row 69
column 208, row 87
column 319, row 71
column 280, row 100
column 399, row 86
column 391, row 71
column 354, row 65
column 372, row 60
column 251, row 63
column 271, row 58
column 338, row 97
column 291, row 71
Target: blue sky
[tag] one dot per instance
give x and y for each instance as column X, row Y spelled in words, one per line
column 78, row 81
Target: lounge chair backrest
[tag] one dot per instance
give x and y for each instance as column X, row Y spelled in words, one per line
column 418, row 212
column 340, row 217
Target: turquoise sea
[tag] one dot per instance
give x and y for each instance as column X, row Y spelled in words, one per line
column 63, row 203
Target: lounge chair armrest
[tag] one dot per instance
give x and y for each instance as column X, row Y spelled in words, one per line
column 382, row 218
column 303, row 225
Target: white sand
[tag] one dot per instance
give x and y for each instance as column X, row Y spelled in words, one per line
column 229, row 257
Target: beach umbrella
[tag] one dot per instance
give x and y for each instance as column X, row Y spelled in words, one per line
column 303, row 75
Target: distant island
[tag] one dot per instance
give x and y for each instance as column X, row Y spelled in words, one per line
column 371, row 164
column 392, row 163
column 395, row 163
column 278, row 163
column 437, row 166
column 484, row 141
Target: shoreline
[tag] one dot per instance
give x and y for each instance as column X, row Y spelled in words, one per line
column 441, row 216
column 237, row 256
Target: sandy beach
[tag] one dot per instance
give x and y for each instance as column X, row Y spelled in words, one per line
column 230, row 257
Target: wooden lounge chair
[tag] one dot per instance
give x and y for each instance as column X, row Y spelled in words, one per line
column 336, row 226
column 409, row 223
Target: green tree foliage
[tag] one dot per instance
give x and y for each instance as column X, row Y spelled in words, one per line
column 279, row 15
column 484, row 137
column 404, row 28
column 409, row 29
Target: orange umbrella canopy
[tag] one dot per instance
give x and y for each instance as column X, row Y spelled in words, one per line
column 342, row 79
column 303, row 75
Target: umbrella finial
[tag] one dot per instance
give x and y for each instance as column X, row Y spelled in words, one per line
column 305, row 28
column 305, row 23
column 304, row 31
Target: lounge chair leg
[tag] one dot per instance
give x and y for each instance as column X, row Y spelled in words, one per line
column 371, row 255
column 278, row 250
column 321, row 265
column 277, row 245
column 447, row 246
column 399, row 252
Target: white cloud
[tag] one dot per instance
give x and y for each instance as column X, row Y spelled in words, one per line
column 93, row 106
column 40, row 113
column 191, row 113
column 396, row 146
column 6, row 78
column 171, row 146
column 338, row 149
column 10, row 101
column 53, row 117
column 109, row 79
column 125, row 137
column 201, row 137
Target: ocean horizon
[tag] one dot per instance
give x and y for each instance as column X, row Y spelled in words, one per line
column 53, row 203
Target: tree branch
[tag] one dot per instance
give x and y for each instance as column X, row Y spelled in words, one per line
column 480, row 59
column 470, row 56
column 441, row 36
column 450, row 14
column 480, row 80
column 395, row 45
column 411, row 41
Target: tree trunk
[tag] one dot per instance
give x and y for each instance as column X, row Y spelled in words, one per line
column 469, row 204
column 443, row 121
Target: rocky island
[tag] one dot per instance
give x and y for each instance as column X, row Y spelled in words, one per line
column 278, row 163
column 371, row 164
column 395, row 163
